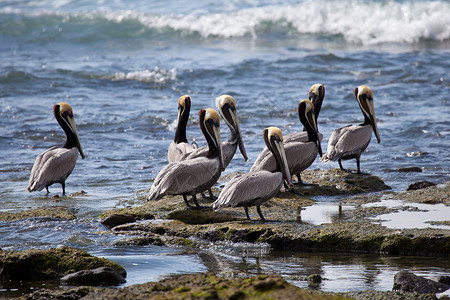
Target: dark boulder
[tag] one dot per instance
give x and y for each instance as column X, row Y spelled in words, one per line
column 408, row 282
column 100, row 276
column 117, row 219
column 420, row 185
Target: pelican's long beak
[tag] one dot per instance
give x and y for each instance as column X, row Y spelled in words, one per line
column 274, row 138
column 308, row 119
column 283, row 162
column 227, row 108
column 364, row 97
column 210, row 121
column 373, row 122
column 312, row 121
column 218, row 142
column 237, row 129
column 73, row 127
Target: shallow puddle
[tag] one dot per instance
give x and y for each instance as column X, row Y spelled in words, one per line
column 412, row 215
column 324, row 212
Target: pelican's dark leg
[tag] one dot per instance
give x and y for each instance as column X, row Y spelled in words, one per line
column 295, row 191
column 211, row 195
column 194, row 198
column 63, row 184
column 300, row 181
column 340, row 165
column 185, row 201
column 357, row 165
column 258, row 209
column 246, row 212
column 46, row 187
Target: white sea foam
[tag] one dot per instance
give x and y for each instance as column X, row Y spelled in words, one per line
column 360, row 22
column 156, row 75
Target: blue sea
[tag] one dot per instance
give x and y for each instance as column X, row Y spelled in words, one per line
column 122, row 65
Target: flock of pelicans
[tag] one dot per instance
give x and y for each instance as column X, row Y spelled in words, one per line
column 192, row 169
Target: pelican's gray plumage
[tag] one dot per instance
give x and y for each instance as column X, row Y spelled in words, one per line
column 255, row 188
column 180, row 146
column 191, row 176
column 350, row 141
column 300, row 155
column 56, row 164
column 316, row 95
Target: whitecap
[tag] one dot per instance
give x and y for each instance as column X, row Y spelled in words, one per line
column 156, row 75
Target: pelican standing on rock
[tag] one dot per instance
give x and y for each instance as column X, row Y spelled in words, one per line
column 191, row 176
column 226, row 106
column 180, row 146
column 350, row 141
column 255, row 188
column 300, row 155
column 56, row 164
column 316, row 95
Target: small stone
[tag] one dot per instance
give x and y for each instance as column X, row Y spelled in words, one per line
column 117, row 219
column 408, row 282
column 444, row 280
column 315, row 278
column 95, row 277
column 420, row 185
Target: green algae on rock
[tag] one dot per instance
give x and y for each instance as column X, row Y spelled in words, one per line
column 56, row 212
column 430, row 195
column 49, row 264
column 209, row 286
column 336, row 182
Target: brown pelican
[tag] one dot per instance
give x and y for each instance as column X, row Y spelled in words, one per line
column 316, row 95
column 227, row 109
column 180, row 146
column 300, row 155
column 56, row 164
column 255, row 188
column 350, row 141
column 191, row 176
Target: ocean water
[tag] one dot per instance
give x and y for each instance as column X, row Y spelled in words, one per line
column 122, row 65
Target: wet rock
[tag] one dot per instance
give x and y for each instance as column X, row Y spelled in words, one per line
column 71, row 294
column 201, row 216
column 430, row 195
column 78, row 194
column 49, row 264
column 56, row 212
column 209, row 286
column 337, row 182
column 444, row 280
column 114, row 220
column 95, row 277
column 420, row 185
column 409, row 282
column 125, row 215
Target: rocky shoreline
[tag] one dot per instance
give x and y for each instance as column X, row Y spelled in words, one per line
column 168, row 222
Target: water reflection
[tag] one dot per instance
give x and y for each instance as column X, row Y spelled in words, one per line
column 323, row 212
column 340, row 271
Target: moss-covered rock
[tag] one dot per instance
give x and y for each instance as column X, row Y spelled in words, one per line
column 56, row 212
column 49, row 264
column 201, row 216
column 431, row 195
column 209, row 286
column 336, row 182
